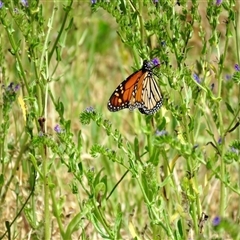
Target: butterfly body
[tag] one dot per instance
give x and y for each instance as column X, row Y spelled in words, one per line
column 139, row 90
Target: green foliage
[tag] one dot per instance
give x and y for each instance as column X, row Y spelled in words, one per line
column 71, row 170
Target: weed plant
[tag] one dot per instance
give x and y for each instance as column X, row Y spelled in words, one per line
column 70, row 169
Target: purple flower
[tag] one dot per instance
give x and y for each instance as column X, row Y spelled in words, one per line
column 220, row 141
column 1, row 4
column 228, row 77
column 17, row 87
column 216, row 221
column 57, row 129
column 155, row 1
column 160, row 133
column 237, row 68
column 24, row 3
column 90, row 109
column 196, row 78
column 155, row 61
column 12, row 88
column 93, row 1
column 218, row 2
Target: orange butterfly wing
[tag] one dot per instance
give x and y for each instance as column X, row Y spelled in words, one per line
column 127, row 94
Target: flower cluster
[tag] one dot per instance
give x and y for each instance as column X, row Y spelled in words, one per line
column 9, row 95
column 155, row 61
column 237, row 67
column 57, row 129
column 90, row 109
column 11, row 88
column 216, row 221
column 196, row 78
column 161, row 133
column 24, row 3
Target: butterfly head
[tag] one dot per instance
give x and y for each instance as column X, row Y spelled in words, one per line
column 150, row 65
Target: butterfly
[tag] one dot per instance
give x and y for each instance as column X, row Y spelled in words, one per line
column 139, row 90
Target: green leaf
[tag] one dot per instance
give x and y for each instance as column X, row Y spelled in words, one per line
column 1, row 180
column 100, row 191
column 162, row 125
column 118, row 222
column 236, row 77
column 229, row 108
column 180, row 229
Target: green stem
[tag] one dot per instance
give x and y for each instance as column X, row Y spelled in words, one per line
column 222, row 163
column 237, row 40
column 16, row 53
column 47, row 225
column 232, row 122
column 15, row 169
column 46, row 43
column 18, row 60
column 236, row 28
column 150, row 207
column 195, row 207
column 67, row 9
column 56, row 213
column 149, row 139
column 3, row 135
column 101, row 218
column 19, row 212
column 142, row 29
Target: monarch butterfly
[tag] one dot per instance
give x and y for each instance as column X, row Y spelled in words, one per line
column 139, row 90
